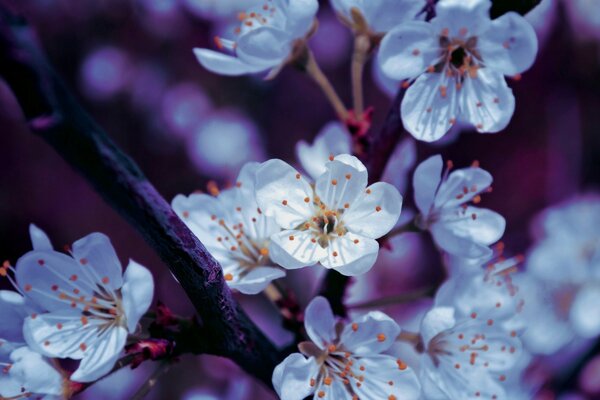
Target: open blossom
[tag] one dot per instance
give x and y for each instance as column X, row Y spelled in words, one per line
column 334, row 221
column 465, row 357
column 235, row 231
column 380, row 15
column 85, row 305
column 345, row 360
column 458, row 62
column 456, row 227
column 266, row 38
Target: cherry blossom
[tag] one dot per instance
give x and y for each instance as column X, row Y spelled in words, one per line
column 456, row 64
column 380, row 15
column 465, row 357
column 235, row 231
column 266, row 38
column 457, row 227
column 85, row 305
column 334, row 221
column 345, row 360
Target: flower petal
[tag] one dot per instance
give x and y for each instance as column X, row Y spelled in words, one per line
column 462, row 186
column 319, row 322
column 300, row 16
column 264, row 46
column 39, row 239
column 224, row 64
column 101, row 358
column 291, row 378
column 100, row 255
column 34, row 373
column 430, row 107
column 469, row 17
column 295, row 249
column 254, row 281
column 13, row 311
column 342, row 184
column 351, row 254
column 379, row 372
column 375, row 212
column 426, row 180
column 586, row 322
column 487, row 102
column 402, row 160
column 436, row 320
column 383, row 15
column 281, row 192
column 371, row 334
column 407, row 51
column 333, row 139
column 510, row 45
column 138, row 291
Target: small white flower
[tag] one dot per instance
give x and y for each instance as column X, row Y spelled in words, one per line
column 331, row 141
column 334, row 221
column 91, row 306
column 458, row 63
column 344, row 361
column 380, row 15
column 465, row 358
column 456, row 227
column 235, row 231
column 266, row 38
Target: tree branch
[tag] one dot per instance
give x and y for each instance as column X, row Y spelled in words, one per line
column 53, row 114
column 383, row 143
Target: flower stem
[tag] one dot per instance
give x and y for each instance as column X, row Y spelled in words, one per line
column 391, row 300
column 152, row 381
column 286, row 303
column 362, row 44
column 314, row 71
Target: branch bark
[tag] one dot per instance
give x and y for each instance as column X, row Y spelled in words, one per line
column 382, row 145
column 53, row 114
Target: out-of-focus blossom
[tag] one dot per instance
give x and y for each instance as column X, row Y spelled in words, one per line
column 235, row 231
column 105, row 72
column 345, row 360
column 457, row 63
column 456, row 227
column 380, row 15
column 543, row 18
column 401, row 161
column 266, row 38
column 184, row 107
column 223, row 143
column 335, row 222
column 218, row 10
column 331, row 141
column 91, row 305
column 465, row 357
column 584, row 16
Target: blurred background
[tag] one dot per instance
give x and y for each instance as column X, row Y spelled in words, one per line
column 130, row 63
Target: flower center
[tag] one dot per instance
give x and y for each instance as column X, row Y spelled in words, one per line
column 244, row 248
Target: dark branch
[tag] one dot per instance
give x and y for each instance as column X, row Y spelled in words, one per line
column 382, row 145
column 53, row 114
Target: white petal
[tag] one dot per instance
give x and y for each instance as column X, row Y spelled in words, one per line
column 408, row 50
column 435, row 321
column 341, row 185
column 101, row 256
column 585, row 320
column 510, row 45
column 39, row 239
column 461, row 186
column 138, row 290
column 426, row 180
column 300, row 16
column 256, row 280
column 371, row 334
column 487, row 102
column 320, row 322
column 291, row 378
column 13, row 312
column 351, row 254
column 380, row 371
column 430, row 107
column 224, row 64
column 403, row 160
column 333, row 139
column 374, row 213
column 455, row 15
column 281, row 192
column 352, row 161
column 295, row 249
column 383, row 15
column 101, row 358
column 264, row 46
column 35, row 373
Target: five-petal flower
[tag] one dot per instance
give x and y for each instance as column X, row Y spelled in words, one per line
column 458, row 62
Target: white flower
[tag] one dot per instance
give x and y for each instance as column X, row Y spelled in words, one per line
column 344, row 361
column 235, row 231
column 380, row 15
column 266, row 38
column 457, row 227
column 331, row 141
column 91, row 306
column 457, row 63
column 334, row 221
column 465, row 358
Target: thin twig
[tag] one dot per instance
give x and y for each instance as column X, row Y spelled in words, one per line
column 362, row 43
column 162, row 369
column 314, row 71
